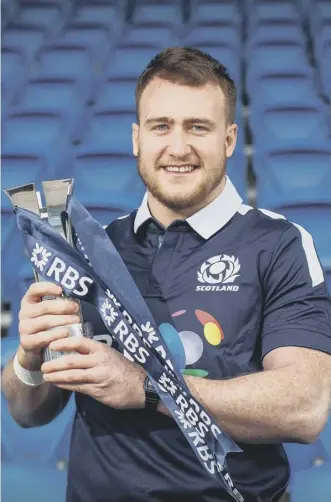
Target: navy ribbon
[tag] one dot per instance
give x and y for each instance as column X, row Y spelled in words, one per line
column 94, row 271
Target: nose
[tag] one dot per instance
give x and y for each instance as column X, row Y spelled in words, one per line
column 179, row 146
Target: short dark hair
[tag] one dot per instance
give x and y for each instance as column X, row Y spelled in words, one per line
column 192, row 67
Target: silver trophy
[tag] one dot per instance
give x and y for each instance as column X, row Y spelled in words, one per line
column 56, row 195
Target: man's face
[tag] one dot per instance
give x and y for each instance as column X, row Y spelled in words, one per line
column 182, row 142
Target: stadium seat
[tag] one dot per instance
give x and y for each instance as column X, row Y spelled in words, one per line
column 273, row 12
column 321, row 40
column 214, row 35
column 109, row 131
column 312, row 484
column 325, row 71
column 60, row 96
column 287, row 178
column 284, row 90
column 223, row 13
column 116, row 96
column 12, row 74
column 69, row 62
column 315, row 219
column 26, row 40
column 285, row 128
column 320, row 16
column 275, row 59
column 265, row 34
column 100, row 14
column 236, row 168
column 91, row 38
column 129, row 63
column 157, row 14
column 148, row 36
column 41, row 16
column 39, row 135
column 113, row 190
column 225, row 55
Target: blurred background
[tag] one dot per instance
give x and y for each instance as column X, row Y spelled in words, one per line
column 69, row 70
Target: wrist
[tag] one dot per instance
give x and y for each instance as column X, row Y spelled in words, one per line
column 31, row 361
column 27, row 377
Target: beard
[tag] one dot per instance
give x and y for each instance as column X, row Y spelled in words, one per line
column 198, row 194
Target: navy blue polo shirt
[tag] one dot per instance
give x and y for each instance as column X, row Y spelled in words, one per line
column 226, row 286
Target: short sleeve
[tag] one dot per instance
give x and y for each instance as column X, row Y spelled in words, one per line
column 297, row 307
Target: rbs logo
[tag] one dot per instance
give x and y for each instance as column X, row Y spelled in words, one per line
column 69, row 277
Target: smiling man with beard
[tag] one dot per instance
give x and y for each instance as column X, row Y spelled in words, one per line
column 267, row 379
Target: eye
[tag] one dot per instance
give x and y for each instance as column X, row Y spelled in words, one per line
column 160, row 127
column 199, row 128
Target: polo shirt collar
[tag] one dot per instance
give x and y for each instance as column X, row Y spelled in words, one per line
column 210, row 219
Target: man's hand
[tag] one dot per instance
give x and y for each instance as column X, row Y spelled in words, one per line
column 98, row 371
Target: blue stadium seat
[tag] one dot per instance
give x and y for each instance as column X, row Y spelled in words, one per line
column 312, row 484
column 12, row 74
column 32, row 484
column 117, row 96
column 148, row 36
column 265, row 34
column 293, row 177
column 38, row 135
column 69, row 62
column 236, row 168
column 214, row 35
column 115, row 188
column 26, row 40
column 275, row 12
column 157, row 14
column 42, row 16
column 315, row 218
column 320, row 16
column 285, row 128
column 109, row 132
column 60, row 96
column 91, row 38
column 321, row 40
column 100, row 14
column 284, row 90
column 275, row 59
column 225, row 55
column 223, row 13
column 325, row 70
column 129, row 63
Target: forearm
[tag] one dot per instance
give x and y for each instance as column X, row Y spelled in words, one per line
column 30, row 406
column 267, row 407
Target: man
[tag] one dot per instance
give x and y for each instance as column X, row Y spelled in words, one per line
column 238, row 294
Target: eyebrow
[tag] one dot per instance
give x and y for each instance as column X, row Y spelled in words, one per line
column 191, row 120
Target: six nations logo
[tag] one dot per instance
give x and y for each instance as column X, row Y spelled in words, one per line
column 219, row 272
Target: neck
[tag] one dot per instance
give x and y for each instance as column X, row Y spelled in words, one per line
column 165, row 215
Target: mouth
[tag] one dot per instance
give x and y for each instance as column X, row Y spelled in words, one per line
column 186, row 169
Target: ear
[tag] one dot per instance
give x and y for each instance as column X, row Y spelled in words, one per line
column 231, row 139
column 135, row 138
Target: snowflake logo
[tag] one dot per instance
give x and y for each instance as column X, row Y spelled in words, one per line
column 108, row 312
column 40, row 256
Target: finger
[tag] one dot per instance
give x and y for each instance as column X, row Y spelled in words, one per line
column 42, row 339
column 79, row 344
column 71, row 361
column 39, row 289
column 59, row 306
column 32, row 326
column 73, row 376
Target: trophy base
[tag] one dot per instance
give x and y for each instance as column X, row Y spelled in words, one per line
column 79, row 329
